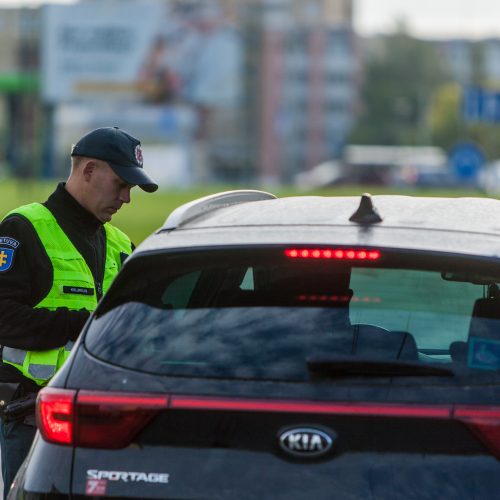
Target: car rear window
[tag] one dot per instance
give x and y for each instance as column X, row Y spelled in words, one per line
column 258, row 314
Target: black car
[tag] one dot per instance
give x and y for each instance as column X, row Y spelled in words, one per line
column 294, row 348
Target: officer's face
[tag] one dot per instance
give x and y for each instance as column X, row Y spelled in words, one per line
column 107, row 192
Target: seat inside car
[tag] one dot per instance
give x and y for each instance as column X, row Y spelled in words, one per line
column 376, row 342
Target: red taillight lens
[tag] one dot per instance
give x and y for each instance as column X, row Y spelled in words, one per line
column 333, row 253
column 55, row 415
column 112, row 420
column 484, row 423
column 92, row 419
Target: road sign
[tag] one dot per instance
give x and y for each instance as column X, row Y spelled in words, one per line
column 480, row 104
column 466, row 160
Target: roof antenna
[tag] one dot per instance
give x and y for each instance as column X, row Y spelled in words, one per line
column 366, row 212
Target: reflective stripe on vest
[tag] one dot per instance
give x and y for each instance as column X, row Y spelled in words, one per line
column 40, row 365
column 16, row 356
column 73, row 285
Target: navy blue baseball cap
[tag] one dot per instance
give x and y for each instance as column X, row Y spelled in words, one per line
column 120, row 150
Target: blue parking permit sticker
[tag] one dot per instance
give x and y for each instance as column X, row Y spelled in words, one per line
column 483, row 353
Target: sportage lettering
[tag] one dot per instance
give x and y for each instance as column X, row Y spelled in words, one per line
column 113, row 475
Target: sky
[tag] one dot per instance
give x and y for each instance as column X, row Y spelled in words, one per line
column 430, row 18
column 424, row 18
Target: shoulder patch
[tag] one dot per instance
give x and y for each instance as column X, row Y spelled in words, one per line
column 8, row 248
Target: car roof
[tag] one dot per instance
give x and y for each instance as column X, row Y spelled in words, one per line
column 457, row 225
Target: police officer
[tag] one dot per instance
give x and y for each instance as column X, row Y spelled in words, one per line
column 57, row 259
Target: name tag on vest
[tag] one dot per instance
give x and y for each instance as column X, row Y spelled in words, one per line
column 78, row 290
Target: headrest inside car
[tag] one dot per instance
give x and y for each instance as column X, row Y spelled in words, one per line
column 485, row 319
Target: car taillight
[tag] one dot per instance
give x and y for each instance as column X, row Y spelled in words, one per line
column 55, row 415
column 93, row 419
column 333, row 253
column 484, row 423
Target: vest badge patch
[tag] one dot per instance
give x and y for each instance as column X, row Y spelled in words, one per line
column 78, row 290
column 8, row 247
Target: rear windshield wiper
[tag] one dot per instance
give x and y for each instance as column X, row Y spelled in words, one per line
column 345, row 366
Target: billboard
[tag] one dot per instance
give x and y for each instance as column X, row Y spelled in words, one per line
column 89, row 51
column 141, row 50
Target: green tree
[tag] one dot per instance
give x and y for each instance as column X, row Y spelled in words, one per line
column 399, row 80
column 448, row 127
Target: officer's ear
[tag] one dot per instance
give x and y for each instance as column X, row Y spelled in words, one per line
column 88, row 169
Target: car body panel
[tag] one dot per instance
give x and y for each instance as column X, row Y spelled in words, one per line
column 228, row 474
column 461, row 214
column 41, row 478
column 459, row 225
column 89, row 373
column 481, row 245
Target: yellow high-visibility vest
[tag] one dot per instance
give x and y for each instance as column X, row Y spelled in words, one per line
column 73, row 285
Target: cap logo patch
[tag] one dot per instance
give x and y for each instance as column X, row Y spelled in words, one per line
column 7, row 248
column 138, row 154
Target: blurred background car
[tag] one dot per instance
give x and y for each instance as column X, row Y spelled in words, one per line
column 428, row 177
column 490, row 179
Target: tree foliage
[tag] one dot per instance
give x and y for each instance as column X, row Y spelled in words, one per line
column 399, row 80
column 448, row 126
